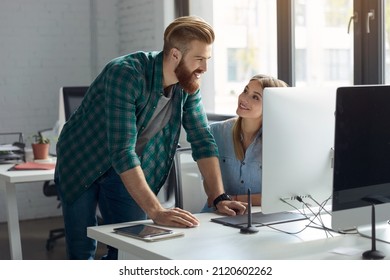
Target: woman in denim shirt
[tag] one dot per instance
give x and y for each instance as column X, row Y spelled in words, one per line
column 239, row 142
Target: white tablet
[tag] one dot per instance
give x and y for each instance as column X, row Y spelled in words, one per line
column 147, row 232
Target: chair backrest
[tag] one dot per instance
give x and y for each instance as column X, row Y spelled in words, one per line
column 49, row 189
column 184, row 185
column 218, row 117
column 166, row 195
column 189, row 193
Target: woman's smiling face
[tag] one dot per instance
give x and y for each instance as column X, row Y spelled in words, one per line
column 250, row 101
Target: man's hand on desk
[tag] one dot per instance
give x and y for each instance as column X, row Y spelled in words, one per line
column 176, row 217
column 231, row 208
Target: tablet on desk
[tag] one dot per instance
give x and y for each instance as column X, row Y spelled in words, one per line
column 147, row 232
column 259, row 219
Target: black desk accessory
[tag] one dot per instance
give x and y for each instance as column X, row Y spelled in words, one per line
column 249, row 229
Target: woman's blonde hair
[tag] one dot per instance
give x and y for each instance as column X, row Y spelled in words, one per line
column 184, row 30
column 265, row 81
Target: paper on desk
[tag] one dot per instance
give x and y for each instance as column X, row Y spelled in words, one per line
column 34, row 166
column 8, row 147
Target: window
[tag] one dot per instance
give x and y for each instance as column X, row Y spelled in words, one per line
column 245, row 45
column 303, row 42
column 300, row 69
column 323, row 48
column 387, row 41
column 337, row 65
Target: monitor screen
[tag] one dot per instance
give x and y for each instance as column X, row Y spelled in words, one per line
column 298, row 135
column 362, row 156
column 70, row 100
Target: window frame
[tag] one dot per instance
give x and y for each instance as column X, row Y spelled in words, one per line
column 369, row 52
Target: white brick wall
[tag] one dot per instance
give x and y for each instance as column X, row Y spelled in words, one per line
column 46, row 44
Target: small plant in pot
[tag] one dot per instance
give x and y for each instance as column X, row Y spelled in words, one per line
column 40, row 146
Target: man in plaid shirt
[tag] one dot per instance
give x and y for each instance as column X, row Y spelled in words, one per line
column 117, row 148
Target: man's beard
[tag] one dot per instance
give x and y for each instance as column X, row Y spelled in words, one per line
column 187, row 78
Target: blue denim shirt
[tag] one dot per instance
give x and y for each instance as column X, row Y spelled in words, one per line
column 237, row 175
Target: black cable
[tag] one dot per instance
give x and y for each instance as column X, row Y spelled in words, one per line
column 322, row 205
column 316, row 215
column 302, row 213
column 312, row 222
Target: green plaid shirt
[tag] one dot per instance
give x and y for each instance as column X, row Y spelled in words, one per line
column 103, row 131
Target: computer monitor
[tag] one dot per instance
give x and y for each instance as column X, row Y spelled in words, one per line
column 298, row 136
column 70, row 99
column 361, row 174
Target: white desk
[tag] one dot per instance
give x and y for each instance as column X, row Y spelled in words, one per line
column 8, row 181
column 211, row 241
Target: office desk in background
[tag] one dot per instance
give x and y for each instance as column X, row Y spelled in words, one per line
column 8, row 182
column 211, row 241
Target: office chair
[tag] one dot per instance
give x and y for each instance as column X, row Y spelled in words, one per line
column 49, row 189
column 189, row 190
column 166, row 195
column 212, row 117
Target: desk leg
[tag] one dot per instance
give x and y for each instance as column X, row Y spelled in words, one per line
column 13, row 222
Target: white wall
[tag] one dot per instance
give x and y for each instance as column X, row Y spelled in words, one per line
column 46, row 44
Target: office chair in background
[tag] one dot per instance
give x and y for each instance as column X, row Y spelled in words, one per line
column 188, row 187
column 189, row 190
column 49, row 190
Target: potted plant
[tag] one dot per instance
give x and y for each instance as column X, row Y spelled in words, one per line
column 40, row 146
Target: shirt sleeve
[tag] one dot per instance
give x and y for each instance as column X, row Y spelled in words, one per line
column 122, row 89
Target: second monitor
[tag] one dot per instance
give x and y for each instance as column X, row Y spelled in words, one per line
column 298, row 137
